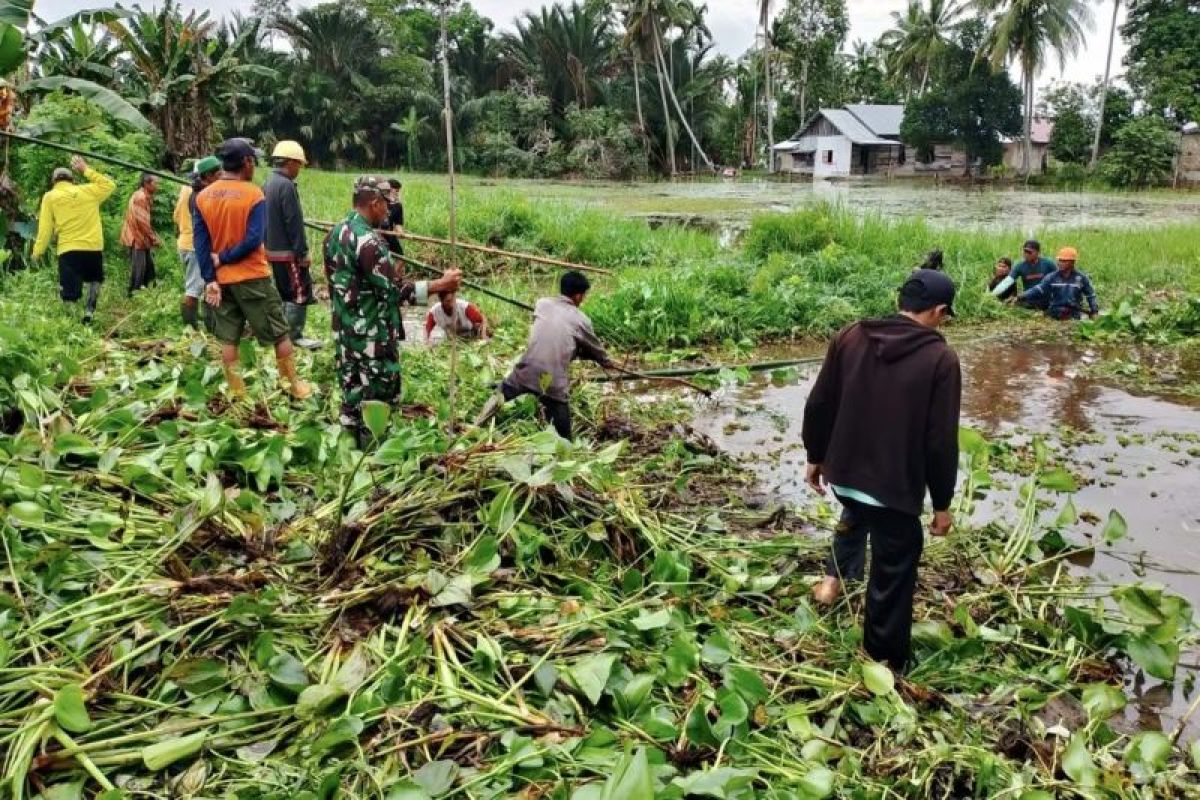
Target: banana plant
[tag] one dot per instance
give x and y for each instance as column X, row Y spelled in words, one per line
column 17, row 43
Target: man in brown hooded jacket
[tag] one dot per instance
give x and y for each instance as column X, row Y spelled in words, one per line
column 881, row 428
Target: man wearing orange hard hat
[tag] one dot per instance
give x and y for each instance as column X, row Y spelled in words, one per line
column 1064, row 291
column 286, row 242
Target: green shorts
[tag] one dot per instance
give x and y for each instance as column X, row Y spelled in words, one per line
column 254, row 301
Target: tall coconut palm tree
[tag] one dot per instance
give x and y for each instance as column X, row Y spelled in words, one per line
column 1112, row 35
column 918, row 37
column 1029, row 33
column 646, row 24
column 641, row 35
column 764, row 26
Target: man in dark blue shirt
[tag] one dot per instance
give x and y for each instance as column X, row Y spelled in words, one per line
column 1033, row 268
column 1063, row 292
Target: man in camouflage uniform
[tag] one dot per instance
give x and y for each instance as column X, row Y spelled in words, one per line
column 367, row 291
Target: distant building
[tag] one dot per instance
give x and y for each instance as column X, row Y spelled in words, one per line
column 855, row 140
column 1039, row 154
column 1187, row 162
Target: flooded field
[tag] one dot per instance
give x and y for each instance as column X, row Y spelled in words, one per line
column 731, row 203
column 1135, row 454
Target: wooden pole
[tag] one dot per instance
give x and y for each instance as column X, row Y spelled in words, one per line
column 490, row 250
column 506, row 253
column 448, row 117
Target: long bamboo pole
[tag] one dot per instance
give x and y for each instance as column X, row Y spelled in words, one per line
column 555, row 262
column 661, row 378
column 448, row 119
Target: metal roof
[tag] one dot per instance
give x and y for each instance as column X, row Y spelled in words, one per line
column 851, row 128
column 879, row 119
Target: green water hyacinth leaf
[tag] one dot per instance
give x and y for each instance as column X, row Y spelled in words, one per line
column 1058, row 480
column 878, row 679
column 317, row 699
column 590, row 675
column 436, row 777
column 1150, row 750
column 634, row 693
column 1077, row 761
column 70, row 712
column 651, row 620
column 376, row 415
column 630, row 780
column 723, row 783
column 1157, row 659
column 699, row 730
column 1115, row 528
column 197, row 675
column 407, row 790
column 341, row 731
column 971, row 441
column 817, row 783
column 165, row 753
column 1102, row 700
column 354, row 670
column 287, row 671
column 747, row 683
column 1068, row 516
column 717, row 650
column 26, row 512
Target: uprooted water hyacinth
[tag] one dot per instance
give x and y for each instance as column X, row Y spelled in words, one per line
column 213, row 601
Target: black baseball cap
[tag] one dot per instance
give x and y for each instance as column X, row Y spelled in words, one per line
column 1033, row 244
column 237, row 149
column 927, row 288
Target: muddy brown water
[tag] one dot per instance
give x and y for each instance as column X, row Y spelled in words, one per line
column 1139, row 455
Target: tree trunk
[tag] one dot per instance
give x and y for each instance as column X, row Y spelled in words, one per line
column 1027, row 142
column 804, row 92
column 662, row 92
column 637, row 92
column 1112, row 35
column 924, row 79
column 770, row 102
column 679, row 109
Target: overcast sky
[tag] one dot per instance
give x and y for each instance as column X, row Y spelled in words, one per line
column 731, row 21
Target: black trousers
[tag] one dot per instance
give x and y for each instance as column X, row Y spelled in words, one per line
column 141, row 269
column 557, row 411
column 896, row 543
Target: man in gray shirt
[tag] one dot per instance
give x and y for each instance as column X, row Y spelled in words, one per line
column 286, row 243
column 561, row 333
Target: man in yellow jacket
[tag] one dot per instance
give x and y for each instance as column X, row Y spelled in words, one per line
column 71, row 212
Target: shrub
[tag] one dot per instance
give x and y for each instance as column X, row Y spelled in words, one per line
column 1142, row 154
column 803, row 231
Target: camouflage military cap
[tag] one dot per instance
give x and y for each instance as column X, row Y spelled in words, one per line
column 373, row 183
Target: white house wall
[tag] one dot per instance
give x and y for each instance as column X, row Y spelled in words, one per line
column 841, row 148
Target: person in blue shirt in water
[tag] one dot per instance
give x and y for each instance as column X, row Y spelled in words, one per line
column 1064, row 291
column 1033, row 267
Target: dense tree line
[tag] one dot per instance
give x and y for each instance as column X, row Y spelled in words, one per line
column 597, row 88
